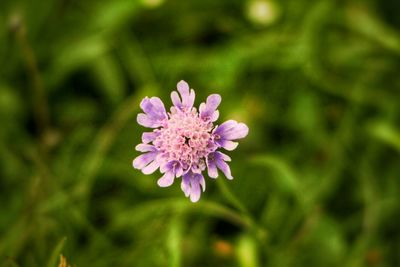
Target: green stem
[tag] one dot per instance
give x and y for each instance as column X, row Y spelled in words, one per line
column 40, row 105
column 260, row 232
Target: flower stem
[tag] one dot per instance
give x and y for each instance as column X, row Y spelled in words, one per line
column 40, row 106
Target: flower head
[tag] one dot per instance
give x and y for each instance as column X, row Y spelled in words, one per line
column 184, row 142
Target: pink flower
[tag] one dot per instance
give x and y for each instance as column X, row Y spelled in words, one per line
column 185, row 142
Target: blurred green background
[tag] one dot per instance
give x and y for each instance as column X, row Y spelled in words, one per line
column 317, row 181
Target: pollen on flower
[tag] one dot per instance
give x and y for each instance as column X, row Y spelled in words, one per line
column 185, row 138
column 185, row 142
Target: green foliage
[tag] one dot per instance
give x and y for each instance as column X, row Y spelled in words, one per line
column 317, row 181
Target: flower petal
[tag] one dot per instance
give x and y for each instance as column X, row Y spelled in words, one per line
column 224, row 167
column 187, row 96
column 218, row 159
column 145, row 148
column 154, row 112
column 215, row 116
column 195, row 191
column 178, row 170
column 166, row 180
column 172, row 166
column 183, row 89
column 202, row 182
column 143, row 160
column 228, row 145
column 191, row 185
column 211, row 168
column 185, row 185
column 175, row 99
column 153, row 107
column 152, row 167
column 148, row 137
column 207, row 110
column 146, row 121
column 232, row 130
column 158, row 106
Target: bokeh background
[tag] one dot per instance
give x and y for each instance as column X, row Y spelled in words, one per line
column 317, row 181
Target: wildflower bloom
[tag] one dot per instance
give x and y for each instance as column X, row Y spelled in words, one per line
column 185, row 142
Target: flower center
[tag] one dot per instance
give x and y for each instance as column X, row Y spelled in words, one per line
column 185, row 137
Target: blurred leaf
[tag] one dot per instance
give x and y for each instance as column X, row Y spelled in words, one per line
column 74, row 55
column 247, row 252
column 287, row 180
column 10, row 263
column 159, row 207
column 174, row 241
column 109, row 78
column 365, row 22
column 55, row 255
column 110, row 15
column 385, row 133
column 10, row 104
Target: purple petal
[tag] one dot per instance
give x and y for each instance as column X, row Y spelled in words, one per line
column 165, row 167
column 175, row 99
column 228, row 145
column 172, row 166
column 195, row 183
column 202, row 182
column 166, row 180
column 153, row 107
column 224, row 167
column 192, row 184
column 187, row 96
column 148, row 137
column 223, row 156
column 183, row 89
column 195, row 192
column 158, row 106
column 145, row 148
column 214, row 116
column 211, row 168
column 178, row 170
column 152, row 167
column 141, row 161
column 185, row 185
column 232, row 130
column 146, row 121
column 195, row 168
column 190, row 100
column 218, row 159
column 154, row 112
column 208, row 110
